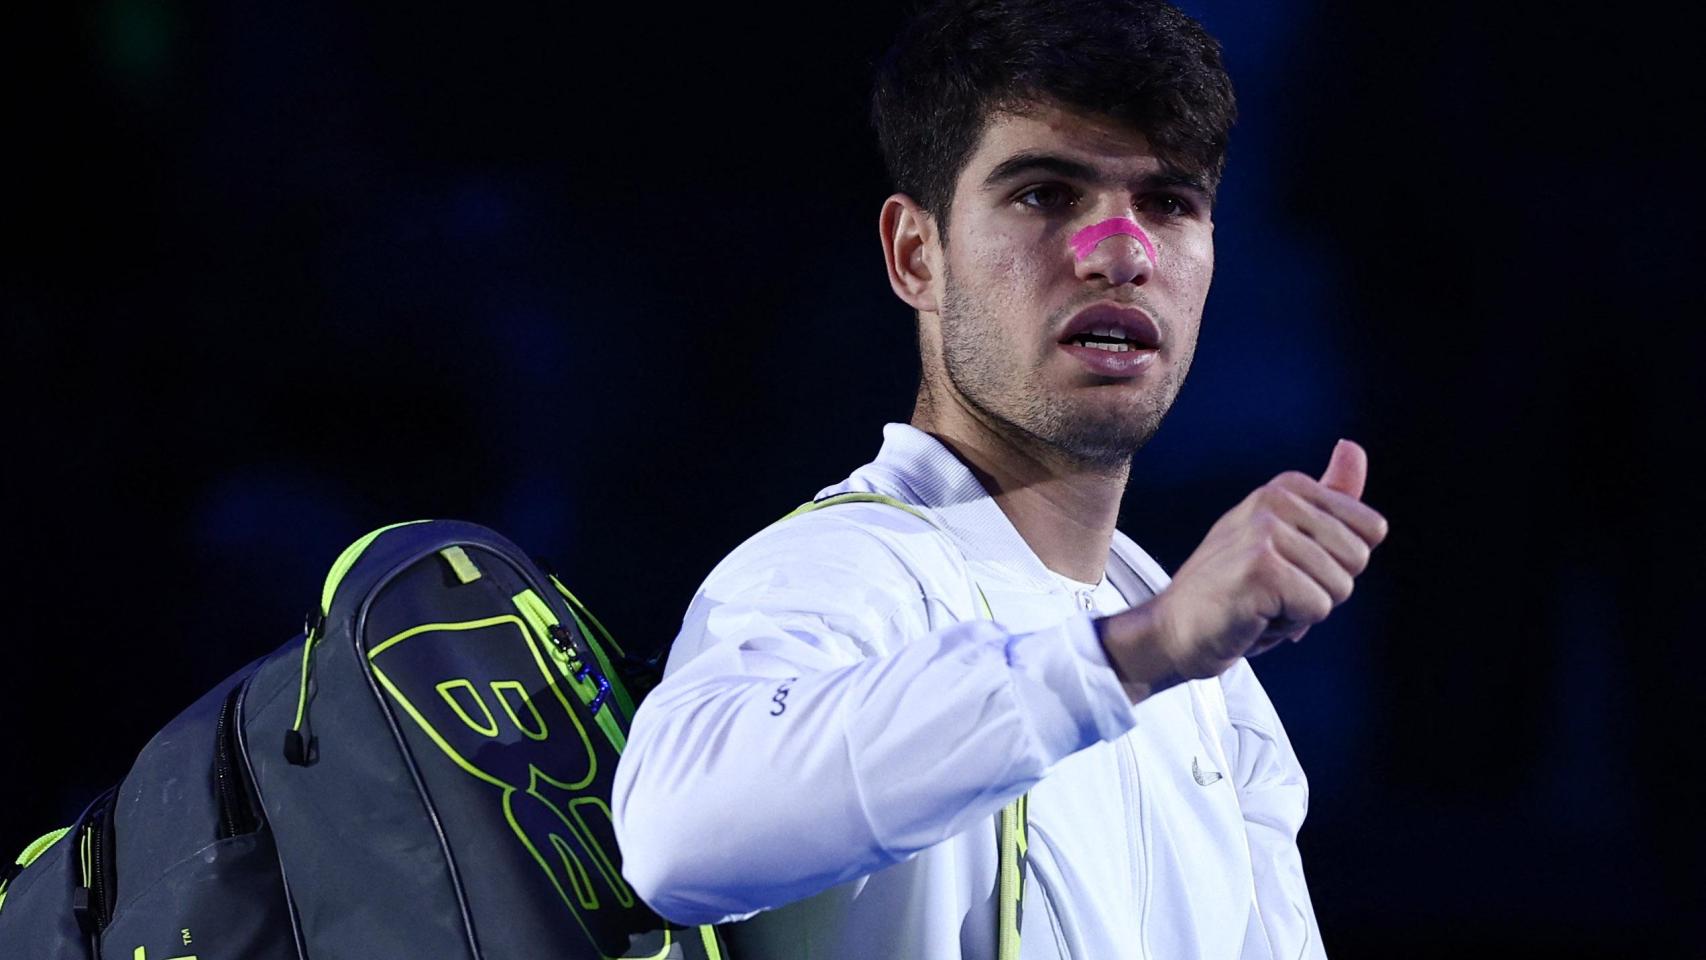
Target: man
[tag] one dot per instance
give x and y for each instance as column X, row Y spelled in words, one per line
column 857, row 690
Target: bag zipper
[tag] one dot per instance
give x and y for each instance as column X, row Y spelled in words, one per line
column 236, row 814
column 582, row 667
column 92, row 903
column 632, row 677
column 300, row 748
column 590, row 668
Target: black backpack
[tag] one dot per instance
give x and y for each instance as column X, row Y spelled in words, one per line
column 424, row 772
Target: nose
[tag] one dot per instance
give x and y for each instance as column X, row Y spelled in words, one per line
column 1116, row 250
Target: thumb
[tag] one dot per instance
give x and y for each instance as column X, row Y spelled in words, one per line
column 1348, row 469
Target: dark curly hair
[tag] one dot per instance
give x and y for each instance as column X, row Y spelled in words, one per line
column 1142, row 63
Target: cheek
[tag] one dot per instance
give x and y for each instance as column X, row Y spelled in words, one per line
column 1012, row 260
column 1191, row 268
column 1007, row 270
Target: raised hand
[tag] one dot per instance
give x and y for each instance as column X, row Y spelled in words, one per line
column 1268, row 570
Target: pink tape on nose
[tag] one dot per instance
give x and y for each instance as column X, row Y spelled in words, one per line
column 1086, row 239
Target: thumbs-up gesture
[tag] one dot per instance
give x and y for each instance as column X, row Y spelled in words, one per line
column 1272, row 567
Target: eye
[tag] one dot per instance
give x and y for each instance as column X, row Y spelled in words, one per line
column 1168, row 205
column 1047, row 196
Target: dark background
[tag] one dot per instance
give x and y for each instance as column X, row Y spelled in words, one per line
column 608, row 280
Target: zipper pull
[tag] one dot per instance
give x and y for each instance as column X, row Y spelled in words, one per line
column 81, row 912
column 301, row 747
column 580, row 661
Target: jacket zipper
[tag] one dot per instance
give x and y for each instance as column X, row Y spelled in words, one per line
column 1131, row 776
column 1139, row 862
column 236, row 815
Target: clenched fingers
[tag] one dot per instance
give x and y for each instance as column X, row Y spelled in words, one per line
column 1356, row 516
column 1321, row 567
column 1285, row 508
column 1307, row 582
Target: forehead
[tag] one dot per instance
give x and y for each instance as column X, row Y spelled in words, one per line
column 1049, row 128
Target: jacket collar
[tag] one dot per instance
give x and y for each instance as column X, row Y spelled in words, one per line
column 919, row 469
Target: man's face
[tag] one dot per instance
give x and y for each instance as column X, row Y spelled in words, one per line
column 1014, row 284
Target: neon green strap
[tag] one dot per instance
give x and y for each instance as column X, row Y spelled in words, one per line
column 582, row 613
column 37, row 847
column 708, row 937
column 1012, row 880
column 1014, row 820
column 859, row 497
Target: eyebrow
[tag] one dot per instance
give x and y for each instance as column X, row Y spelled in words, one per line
column 1024, row 163
column 1028, row 162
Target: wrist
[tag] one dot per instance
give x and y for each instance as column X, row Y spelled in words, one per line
column 1135, row 642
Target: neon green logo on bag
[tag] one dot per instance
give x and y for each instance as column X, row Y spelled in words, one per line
column 490, row 728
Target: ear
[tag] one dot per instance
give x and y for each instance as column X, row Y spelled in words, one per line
column 911, row 251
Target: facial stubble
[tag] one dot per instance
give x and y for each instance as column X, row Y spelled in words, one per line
column 1096, row 427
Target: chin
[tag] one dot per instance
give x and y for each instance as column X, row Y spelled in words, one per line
column 1103, row 440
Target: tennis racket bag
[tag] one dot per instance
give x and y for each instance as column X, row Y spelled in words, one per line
column 424, row 772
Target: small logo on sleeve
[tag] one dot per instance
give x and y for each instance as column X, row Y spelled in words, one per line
column 780, row 697
column 1203, row 779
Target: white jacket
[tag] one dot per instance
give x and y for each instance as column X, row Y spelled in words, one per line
column 838, row 727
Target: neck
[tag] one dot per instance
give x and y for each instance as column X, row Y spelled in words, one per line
column 1064, row 509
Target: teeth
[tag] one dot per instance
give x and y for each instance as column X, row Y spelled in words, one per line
column 1110, row 332
column 1110, row 347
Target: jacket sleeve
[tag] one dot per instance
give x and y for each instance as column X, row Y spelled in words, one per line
column 812, row 728
column 1274, row 796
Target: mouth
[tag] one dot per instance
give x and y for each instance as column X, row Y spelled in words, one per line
column 1112, row 328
